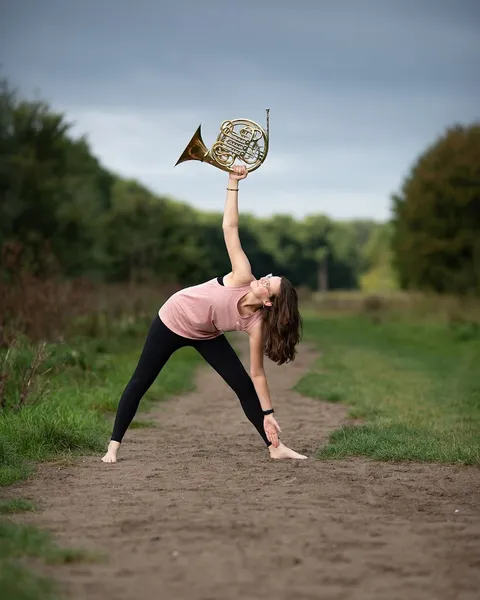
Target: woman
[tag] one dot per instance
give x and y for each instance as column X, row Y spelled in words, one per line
column 266, row 309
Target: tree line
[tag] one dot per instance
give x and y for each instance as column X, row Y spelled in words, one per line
column 59, row 205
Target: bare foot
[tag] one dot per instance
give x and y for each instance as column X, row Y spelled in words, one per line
column 111, row 455
column 283, row 452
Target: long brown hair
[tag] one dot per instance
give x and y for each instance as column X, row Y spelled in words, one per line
column 282, row 325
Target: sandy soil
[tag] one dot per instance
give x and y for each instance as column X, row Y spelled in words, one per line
column 196, row 510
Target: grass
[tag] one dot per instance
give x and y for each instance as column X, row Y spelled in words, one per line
column 16, row 505
column 415, row 386
column 21, row 542
column 17, row 583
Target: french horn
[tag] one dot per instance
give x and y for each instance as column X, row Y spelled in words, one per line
column 240, row 139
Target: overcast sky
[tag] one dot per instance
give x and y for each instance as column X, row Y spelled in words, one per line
column 356, row 88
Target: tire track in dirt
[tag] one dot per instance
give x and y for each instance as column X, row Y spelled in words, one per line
column 196, row 510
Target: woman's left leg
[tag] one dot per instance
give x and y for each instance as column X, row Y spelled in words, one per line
column 222, row 357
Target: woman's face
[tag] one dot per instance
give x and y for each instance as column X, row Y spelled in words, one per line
column 266, row 287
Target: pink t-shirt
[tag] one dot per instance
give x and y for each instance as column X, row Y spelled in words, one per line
column 206, row 310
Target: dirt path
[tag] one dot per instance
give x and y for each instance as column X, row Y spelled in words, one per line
column 196, row 510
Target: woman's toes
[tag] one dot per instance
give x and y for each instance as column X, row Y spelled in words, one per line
column 109, row 458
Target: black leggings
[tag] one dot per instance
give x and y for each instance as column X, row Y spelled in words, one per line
column 160, row 344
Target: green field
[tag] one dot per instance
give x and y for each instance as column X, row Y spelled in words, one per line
column 414, row 387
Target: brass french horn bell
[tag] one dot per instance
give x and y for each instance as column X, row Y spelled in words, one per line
column 240, row 139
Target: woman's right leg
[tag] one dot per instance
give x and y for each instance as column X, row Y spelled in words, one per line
column 160, row 344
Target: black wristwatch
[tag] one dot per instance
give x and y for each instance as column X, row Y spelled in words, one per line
column 268, row 412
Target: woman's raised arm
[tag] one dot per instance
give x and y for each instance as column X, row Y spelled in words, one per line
column 241, row 269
